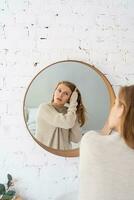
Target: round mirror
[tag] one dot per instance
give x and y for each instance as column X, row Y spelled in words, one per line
column 64, row 101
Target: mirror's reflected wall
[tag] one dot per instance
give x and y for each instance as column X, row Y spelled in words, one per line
column 94, row 92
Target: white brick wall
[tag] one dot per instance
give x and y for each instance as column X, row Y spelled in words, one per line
column 99, row 32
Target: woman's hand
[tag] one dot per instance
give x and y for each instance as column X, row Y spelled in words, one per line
column 73, row 98
column 106, row 130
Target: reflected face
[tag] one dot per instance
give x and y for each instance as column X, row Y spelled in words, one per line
column 62, row 95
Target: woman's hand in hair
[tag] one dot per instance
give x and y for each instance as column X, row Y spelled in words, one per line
column 72, row 105
column 106, row 130
column 74, row 97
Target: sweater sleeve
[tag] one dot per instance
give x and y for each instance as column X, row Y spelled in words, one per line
column 75, row 133
column 86, row 167
column 54, row 118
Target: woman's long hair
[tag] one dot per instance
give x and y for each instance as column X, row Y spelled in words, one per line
column 80, row 107
column 126, row 98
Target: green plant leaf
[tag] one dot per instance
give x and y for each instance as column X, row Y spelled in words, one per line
column 2, row 189
column 9, row 183
column 9, row 195
column 11, row 192
column 9, row 177
column 6, row 197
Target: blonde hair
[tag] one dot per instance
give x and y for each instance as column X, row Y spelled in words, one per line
column 80, row 107
column 126, row 98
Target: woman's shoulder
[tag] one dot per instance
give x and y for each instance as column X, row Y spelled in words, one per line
column 45, row 107
column 95, row 139
column 90, row 136
column 90, row 142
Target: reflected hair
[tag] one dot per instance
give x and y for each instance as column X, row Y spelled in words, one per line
column 126, row 98
column 80, row 107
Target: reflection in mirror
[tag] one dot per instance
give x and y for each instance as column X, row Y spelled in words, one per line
column 58, row 122
column 50, row 109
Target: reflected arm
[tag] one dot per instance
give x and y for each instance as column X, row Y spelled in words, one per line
column 54, row 118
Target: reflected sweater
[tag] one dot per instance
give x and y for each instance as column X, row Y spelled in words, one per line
column 106, row 168
column 57, row 127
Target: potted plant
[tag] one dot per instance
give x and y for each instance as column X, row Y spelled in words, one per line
column 6, row 191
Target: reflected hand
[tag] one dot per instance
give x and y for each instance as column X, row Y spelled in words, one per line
column 74, row 97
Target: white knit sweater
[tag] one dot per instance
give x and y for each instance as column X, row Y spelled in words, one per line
column 106, row 168
column 57, row 127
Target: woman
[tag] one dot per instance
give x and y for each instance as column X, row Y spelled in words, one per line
column 59, row 122
column 107, row 161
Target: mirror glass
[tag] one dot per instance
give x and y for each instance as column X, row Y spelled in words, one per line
column 96, row 97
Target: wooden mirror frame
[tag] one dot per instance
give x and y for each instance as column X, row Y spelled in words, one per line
column 72, row 152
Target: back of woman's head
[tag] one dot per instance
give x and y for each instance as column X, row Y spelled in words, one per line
column 126, row 98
